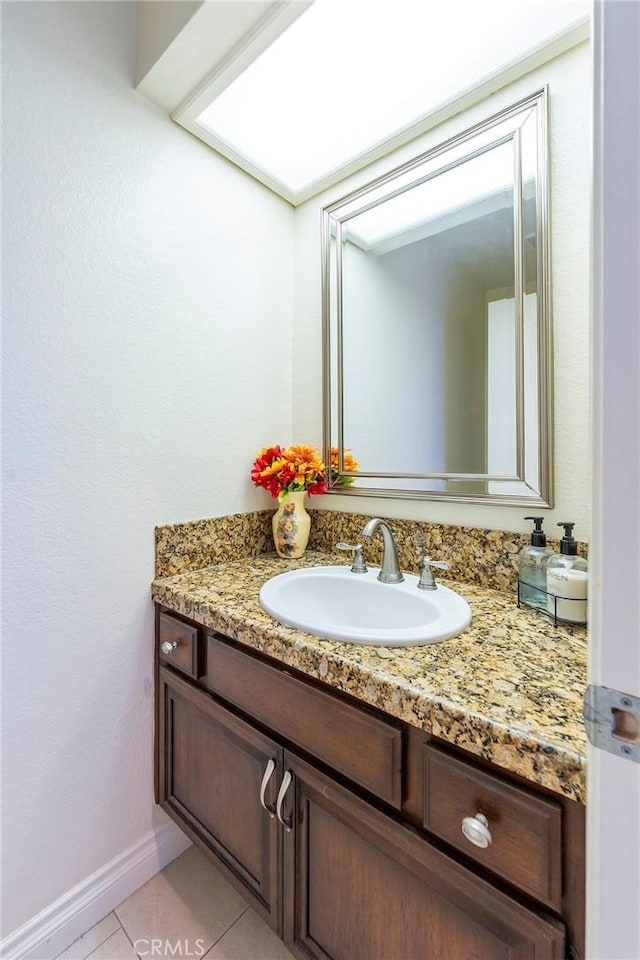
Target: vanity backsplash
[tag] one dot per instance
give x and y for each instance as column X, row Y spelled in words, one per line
column 183, row 547
column 486, row 557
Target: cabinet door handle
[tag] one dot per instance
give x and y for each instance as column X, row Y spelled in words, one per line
column 268, row 773
column 284, row 786
column 476, row 830
column 168, row 646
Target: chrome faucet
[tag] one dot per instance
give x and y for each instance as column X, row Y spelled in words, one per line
column 390, row 569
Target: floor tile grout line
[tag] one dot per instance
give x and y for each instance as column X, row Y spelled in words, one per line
column 126, row 933
column 107, row 938
column 204, row 955
column 97, row 947
column 122, row 926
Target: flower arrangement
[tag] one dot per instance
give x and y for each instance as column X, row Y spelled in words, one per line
column 349, row 463
column 299, row 468
column 294, row 469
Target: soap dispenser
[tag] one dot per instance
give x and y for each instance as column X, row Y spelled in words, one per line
column 567, row 580
column 532, row 580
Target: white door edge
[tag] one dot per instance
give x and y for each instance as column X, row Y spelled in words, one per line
column 613, row 784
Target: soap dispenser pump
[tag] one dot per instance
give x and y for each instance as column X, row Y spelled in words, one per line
column 567, row 580
column 532, row 581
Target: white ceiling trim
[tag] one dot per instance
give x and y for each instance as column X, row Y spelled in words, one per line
column 220, row 36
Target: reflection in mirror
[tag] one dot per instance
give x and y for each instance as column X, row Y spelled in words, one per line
column 436, row 320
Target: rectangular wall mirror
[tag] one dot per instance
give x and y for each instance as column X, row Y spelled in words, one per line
column 437, row 326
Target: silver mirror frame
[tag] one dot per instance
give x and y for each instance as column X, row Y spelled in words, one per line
column 332, row 224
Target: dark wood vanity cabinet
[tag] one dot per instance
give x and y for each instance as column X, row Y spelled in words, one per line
column 343, row 863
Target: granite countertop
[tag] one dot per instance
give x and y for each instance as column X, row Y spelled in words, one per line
column 509, row 689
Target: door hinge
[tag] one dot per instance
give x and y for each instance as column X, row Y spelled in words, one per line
column 612, row 721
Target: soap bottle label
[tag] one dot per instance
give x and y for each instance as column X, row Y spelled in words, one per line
column 567, row 598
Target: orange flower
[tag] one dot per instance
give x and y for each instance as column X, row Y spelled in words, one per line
column 349, row 464
column 297, row 468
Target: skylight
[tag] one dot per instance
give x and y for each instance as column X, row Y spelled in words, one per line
column 348, row 75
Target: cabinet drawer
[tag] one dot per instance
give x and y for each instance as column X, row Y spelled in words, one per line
column 525, row 829
column 181, row 645
column 347, row 738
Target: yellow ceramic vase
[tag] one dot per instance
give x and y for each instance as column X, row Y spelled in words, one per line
column 291, row 525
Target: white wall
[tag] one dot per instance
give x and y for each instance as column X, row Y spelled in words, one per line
column 158, row 22
column 148, row 287
column 570, row 99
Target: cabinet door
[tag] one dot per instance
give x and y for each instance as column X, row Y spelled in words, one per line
column 359, row 886
column 212, row 769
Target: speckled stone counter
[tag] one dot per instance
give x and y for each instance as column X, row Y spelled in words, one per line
column 509, row 689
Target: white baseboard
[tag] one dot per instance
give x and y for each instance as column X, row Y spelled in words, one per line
column 58, row 925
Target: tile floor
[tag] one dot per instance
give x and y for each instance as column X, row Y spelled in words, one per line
column 187, row 910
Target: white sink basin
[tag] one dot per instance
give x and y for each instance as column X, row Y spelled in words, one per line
column 335, row 604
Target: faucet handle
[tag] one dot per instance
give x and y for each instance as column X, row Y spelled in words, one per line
column 359, row 564
column 440, row 564
column 427, row 580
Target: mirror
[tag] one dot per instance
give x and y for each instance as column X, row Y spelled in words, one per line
column 436, row 319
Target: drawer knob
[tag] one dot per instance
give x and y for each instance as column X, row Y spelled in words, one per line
column 168, row 646
column 476, row 830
